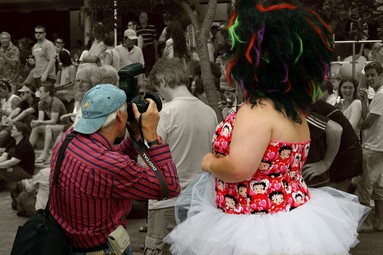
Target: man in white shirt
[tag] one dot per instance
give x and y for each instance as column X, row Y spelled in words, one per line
column 371, row 184
column 187, row 125
column 128, row 52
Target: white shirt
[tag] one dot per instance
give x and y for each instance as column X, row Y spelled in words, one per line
column 129, row 57
column 187, row 125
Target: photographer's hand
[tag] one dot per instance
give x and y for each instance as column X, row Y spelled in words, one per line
column 149, row 120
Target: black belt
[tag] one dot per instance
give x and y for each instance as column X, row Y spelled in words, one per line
column 96, row 248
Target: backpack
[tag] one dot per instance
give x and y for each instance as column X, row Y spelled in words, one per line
column 40, row 235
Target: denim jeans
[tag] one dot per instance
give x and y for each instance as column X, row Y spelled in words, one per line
column 128, row 251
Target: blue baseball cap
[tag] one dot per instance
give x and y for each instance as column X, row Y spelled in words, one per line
column 96, row 105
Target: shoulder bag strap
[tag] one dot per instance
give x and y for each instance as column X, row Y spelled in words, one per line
column 60, row 159
column 43, row 228
column 141, row 150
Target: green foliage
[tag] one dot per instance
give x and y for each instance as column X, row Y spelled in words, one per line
column 340, row 13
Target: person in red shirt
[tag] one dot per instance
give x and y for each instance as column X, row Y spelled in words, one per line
column 98, row 179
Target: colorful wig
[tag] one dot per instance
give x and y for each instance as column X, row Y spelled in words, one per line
column 281, row 52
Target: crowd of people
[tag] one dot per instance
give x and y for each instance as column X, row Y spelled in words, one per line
column 301, row 159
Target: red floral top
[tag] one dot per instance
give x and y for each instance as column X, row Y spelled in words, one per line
column 276, row 186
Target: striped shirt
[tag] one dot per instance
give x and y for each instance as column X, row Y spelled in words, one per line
column 149, row 34
column 97, row 182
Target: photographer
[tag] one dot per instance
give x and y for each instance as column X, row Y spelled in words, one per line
column 97, row 179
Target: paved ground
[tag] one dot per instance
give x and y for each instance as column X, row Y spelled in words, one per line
column 370, row 244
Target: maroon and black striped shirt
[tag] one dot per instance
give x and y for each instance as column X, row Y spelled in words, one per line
column 97, row 182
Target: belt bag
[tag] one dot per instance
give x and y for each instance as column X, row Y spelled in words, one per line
column 119, row 240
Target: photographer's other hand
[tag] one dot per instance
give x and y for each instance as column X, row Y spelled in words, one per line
column 149, row 120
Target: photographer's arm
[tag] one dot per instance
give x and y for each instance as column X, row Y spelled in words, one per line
column 149, row 121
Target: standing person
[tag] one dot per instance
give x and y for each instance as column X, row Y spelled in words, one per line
column 132, row 24
column 9, row 58
column 97, row 179
column 371, row 183
column 350, row 104
column 111, row 56
column 150, row 45
column 59, row 45
column 348, row 160
column 44, row 54
column 128, row 52
column 175, row 46
column 65, row 80
column 189, row 136
column 97, row 49
column 253, row 199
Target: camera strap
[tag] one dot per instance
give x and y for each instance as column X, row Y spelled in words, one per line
column 141, row 150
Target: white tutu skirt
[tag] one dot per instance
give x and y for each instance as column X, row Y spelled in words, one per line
column 326, row 224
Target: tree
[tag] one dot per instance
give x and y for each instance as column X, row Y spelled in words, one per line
column 102, row 11
column 202, row 33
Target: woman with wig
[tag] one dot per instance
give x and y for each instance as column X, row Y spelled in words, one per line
column 252, row 198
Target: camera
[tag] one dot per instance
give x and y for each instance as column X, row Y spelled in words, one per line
column 128, row 84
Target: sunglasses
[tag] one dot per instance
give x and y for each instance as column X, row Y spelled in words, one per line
column 39, row 33
column 59, row 42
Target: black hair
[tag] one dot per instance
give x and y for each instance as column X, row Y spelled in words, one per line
column 274, row 193
column 5, row 84
column 280, row 52
column 23, row 128
column 326, row 85
column 175, row 30
column 354, row 83
column 65, row 58
column 374, row 65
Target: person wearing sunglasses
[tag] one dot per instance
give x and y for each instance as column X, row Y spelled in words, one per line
column 45, row 56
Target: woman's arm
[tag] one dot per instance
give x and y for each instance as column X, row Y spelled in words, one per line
column 356, row 114
column 107, row 58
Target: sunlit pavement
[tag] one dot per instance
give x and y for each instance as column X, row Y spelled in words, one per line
column 370, row 243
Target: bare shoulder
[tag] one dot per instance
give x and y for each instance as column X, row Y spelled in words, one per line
column 263, row 117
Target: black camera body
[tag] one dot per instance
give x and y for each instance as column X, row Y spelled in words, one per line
column 128, row 84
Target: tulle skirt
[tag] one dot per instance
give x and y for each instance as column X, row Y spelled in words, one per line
column 326, row 224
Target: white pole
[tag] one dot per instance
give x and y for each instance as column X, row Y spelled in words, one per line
column 115, row 23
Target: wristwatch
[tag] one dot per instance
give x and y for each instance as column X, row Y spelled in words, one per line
column 158, row 141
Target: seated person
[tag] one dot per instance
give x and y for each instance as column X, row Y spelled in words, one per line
column 9, row 101
column 32, row 194
column 50, row 110
column 27, row 109
column 18, row 160
column 109, row 75
column 87, row 76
